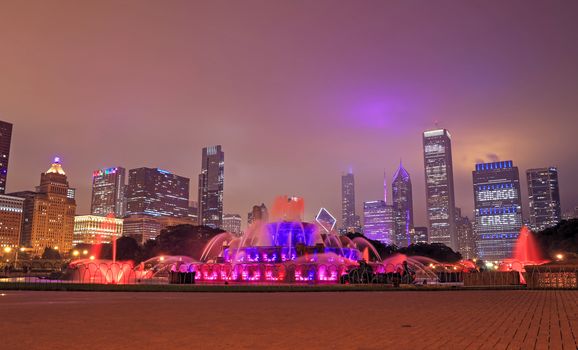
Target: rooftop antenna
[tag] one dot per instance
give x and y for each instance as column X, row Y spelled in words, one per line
column 384, row 187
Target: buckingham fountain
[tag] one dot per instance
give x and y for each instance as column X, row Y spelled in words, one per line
column 286, row 249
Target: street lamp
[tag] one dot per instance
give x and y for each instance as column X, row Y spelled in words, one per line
column 559, row 256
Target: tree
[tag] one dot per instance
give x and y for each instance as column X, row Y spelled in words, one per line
column 127, row 248
column 187, row 240
column 436, row 251
column 50, row 254
column 562, row 238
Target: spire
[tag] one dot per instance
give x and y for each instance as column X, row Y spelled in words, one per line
column 56, row 167
column 401, row 172
column 384, row 187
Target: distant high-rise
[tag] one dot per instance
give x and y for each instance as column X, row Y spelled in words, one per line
column 49, row 213
column 156, row 192
column 378, row 221
column 498, row 209
column 350, row 221
column 108, row 186
column 465, row 235
column 211, row 183
column 141, row 227
column 439, row 185
column 232, row 223
column 258, row 213
column 544, row 197
column 402, row 206
column 419, row 235
column 5, row 140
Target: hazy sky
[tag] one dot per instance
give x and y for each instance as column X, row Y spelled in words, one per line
column 297, row 92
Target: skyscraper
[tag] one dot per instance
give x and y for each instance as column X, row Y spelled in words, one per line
column 211, row 182
column 402, row 206
column 350, row 221
column 5, row 140
column 439, row 185
column 108, row 186
column 49, row 212
column 258, row 213
column 157, row 192
column 498, row 209
column 544, row 197
column 378, row 221
column 465, row 235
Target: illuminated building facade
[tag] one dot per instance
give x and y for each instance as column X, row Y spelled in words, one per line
column 48, row 217
column 402, row 206
column 466, row 236
column 108, row 186
column 544, row 198
column 93, row 229
column 378, row 221
column 211, row 184
column 11, row 216
column 157, row 192
column 498, row 209
column 232, row 223
column 5, row 140
column 439, row 185
column 350, row 221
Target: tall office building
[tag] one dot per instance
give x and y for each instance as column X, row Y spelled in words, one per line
column 402, row 206
column 108, row 186
column 350, row 221
column 544, row 198
column 141, row 227
column 211, row 182
column 465, row 235
column 378, row 221
column 232, row 223
column 157, row 192
column 49, row 212
column 5, row 140
column 11, row 217
column 498, row 209
column 439, row 185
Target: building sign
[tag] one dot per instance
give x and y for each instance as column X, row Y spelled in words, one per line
column 497, row 220
column 496, row 195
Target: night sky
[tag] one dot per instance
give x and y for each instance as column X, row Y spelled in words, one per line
column 297, row 92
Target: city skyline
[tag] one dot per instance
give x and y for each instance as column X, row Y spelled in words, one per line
column 489, row 94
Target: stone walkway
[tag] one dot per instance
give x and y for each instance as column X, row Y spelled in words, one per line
column 373, row 320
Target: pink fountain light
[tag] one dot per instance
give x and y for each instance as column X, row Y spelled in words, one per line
column 527, row 249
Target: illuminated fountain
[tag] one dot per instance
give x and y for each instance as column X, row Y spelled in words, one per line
column 526, row 252
column 283, row 250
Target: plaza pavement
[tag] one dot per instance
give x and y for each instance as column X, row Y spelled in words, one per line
column 355, row 320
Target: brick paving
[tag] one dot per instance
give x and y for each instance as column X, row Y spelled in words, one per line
column 364, row 320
